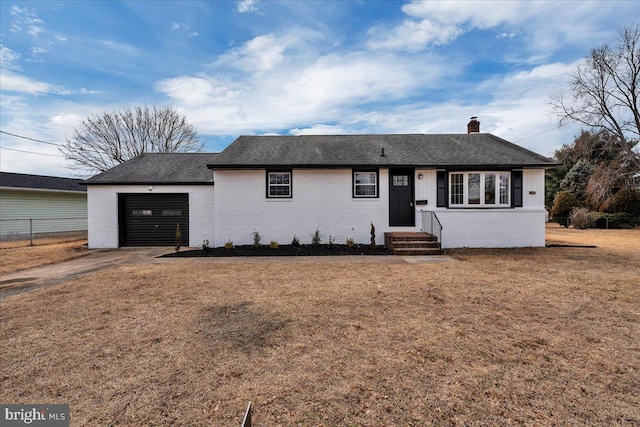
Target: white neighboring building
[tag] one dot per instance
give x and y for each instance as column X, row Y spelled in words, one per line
column 483, row 190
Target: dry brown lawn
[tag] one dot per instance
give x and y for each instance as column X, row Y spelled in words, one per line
column 21, row 258
column 499, row 337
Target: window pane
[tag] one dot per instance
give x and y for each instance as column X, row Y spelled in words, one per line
column 365, row 190
column 172, row 212
column 504, row 188
column 400, row 180
column 457, row 189
column 474, row 188
column 490, row 189
column 141, row 212
column 279, row 178
column 365, row 178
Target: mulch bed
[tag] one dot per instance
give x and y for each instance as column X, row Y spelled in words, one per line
column 282, row 250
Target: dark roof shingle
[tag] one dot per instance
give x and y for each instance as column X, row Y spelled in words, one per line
column 159, row 168
column 415, row 150
column 40, row 182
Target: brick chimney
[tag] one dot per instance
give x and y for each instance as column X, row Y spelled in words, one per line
column 473, row 126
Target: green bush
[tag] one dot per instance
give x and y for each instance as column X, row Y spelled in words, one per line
column 295, row 241
column 564, row 203
column 626, row 200
column 257, row 237
column 616, row 220
column 316, row 238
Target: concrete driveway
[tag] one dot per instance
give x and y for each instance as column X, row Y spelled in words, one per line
column 100, row 259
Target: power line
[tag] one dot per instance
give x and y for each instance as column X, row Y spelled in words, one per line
column 539, row 133
column 30, row 152
column 31, row 139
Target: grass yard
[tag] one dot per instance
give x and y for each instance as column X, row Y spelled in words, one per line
column 499, row 337
column 21, row 258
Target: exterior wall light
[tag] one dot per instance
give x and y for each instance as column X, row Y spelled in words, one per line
column 420, row 176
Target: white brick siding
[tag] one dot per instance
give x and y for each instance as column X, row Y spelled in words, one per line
column 102, row 206
column 321, row 199
column 491, row 228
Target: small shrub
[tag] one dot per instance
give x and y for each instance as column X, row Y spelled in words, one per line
column 273, row 244
column 205, row 245
column 562, row 207
column 316, row 238
column 178, row 237
column 330, row 243
column 581, row 218
column 350, row 242
column 373, row 236
column 257, row 237
column 295, row 242
column 228, row 245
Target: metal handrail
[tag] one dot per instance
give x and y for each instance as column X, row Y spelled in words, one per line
column 431, row 224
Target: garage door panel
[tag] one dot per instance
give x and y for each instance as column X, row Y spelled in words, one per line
column 151, row 219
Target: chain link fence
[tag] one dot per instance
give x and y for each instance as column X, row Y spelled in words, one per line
column 612, row 221
column 41, row 231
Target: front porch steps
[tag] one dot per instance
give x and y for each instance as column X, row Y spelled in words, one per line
column 412, row 243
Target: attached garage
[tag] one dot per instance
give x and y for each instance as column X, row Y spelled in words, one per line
column 152, row 219
column 140, row 202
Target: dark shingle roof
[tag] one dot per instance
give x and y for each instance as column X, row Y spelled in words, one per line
column 444, row 150
column 160, row 168
column 40, row 182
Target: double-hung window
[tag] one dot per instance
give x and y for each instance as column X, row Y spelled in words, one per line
column 365, row 184
column 279, row 184
column 479, row 189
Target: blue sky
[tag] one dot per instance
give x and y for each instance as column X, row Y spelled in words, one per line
column 294, row 67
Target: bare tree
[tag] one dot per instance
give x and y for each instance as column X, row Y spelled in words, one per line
column 605, row 91
column 112, row 137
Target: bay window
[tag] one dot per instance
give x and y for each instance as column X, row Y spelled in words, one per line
column 479, row 189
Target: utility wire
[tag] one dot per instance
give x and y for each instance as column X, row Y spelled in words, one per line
column 30, row 139
column 539, row 133
column 30, row 152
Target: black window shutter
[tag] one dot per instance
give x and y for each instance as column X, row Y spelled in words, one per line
column 442, row 189
column 516, row 190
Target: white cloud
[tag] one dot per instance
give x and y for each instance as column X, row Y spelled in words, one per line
column 440, row 22
column 119, row 47
column 26, row 17
column 8, row 58
column 13, row 82
column 245, row 6
column 259, row 54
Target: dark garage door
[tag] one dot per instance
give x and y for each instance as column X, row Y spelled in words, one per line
column 151, row 219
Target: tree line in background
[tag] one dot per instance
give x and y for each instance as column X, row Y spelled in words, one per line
column 600, row 170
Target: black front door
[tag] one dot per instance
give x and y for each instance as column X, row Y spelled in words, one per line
column 401, row 210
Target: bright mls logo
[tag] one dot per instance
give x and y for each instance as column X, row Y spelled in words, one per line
column 35, row 415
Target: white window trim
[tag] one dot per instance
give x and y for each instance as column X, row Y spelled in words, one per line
column 482, row 204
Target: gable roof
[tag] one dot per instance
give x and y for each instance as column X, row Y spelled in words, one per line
column 159, row 168
column 411, row 150
column 40, row 182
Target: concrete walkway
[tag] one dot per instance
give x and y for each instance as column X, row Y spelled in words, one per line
column 101, row 259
